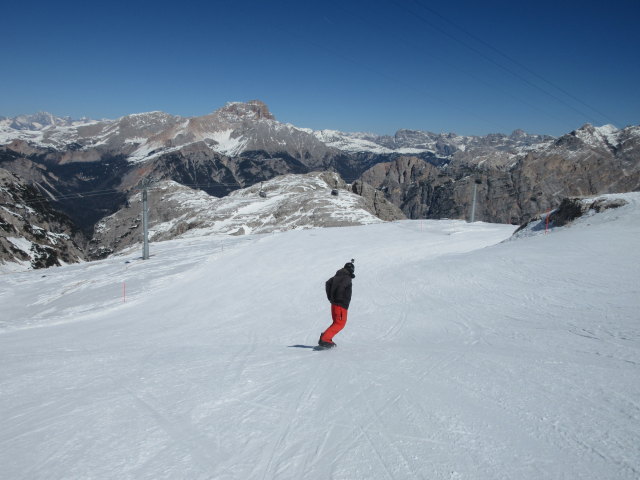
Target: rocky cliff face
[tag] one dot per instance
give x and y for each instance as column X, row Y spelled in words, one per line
column 32, row 234
column 512, row 188
column 83, row 191
column 588, row 161
column 376, row 203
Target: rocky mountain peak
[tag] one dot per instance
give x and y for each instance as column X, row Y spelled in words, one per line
column 147, row 117
column 38, row 121
column 587, row 128
column 253, row 109
column 607, row 136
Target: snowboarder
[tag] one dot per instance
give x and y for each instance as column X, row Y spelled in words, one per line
column 338, row 290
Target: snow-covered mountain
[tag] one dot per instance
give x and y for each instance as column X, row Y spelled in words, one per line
column 38, row 122
column 464, row 357
column 414, row 142
column 289, row 202
column 240, row 127
column 88, row 168
column 231, row 130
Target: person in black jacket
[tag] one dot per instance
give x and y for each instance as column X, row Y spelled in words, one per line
column 338, row 290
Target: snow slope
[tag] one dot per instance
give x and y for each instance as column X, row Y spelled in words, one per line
column 463, row 357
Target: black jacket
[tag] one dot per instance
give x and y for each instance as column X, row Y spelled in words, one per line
column 338, row 288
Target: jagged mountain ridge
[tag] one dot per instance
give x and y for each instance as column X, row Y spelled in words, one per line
column 236, row 146
column 229, row 131
column 443, row 145
column 38, row 121
column 234, row 129
column 514, row 188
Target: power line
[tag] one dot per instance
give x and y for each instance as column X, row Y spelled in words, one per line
column 49, row 197
column 489, row 59
column 464, row 72
column 90, row 193
column 514, row 61
column 391, row 78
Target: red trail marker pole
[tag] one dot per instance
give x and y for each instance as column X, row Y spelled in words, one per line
column 546, row 226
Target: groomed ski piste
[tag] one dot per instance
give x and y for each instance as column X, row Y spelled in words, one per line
column 467, row 354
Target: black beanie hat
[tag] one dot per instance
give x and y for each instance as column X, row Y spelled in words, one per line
column 350, row 267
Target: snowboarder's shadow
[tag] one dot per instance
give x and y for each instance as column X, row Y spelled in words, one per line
column 315, row 348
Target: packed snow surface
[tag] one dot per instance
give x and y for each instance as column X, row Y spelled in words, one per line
column 464, row 357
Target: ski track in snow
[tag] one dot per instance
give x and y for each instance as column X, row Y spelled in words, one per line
column 462, row 357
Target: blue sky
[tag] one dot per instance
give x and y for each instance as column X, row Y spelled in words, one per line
column 377, row 66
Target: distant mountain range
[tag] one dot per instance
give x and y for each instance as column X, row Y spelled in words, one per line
column 231, row 131
column 91, row 169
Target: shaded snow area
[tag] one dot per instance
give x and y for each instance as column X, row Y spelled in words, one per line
column 464, row 357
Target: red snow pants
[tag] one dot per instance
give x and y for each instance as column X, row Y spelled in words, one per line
column 339, row 316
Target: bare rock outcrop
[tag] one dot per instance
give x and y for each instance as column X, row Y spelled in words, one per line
column 376, row 202
column 589, row 161
column 570, row 209
column 32, row 234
